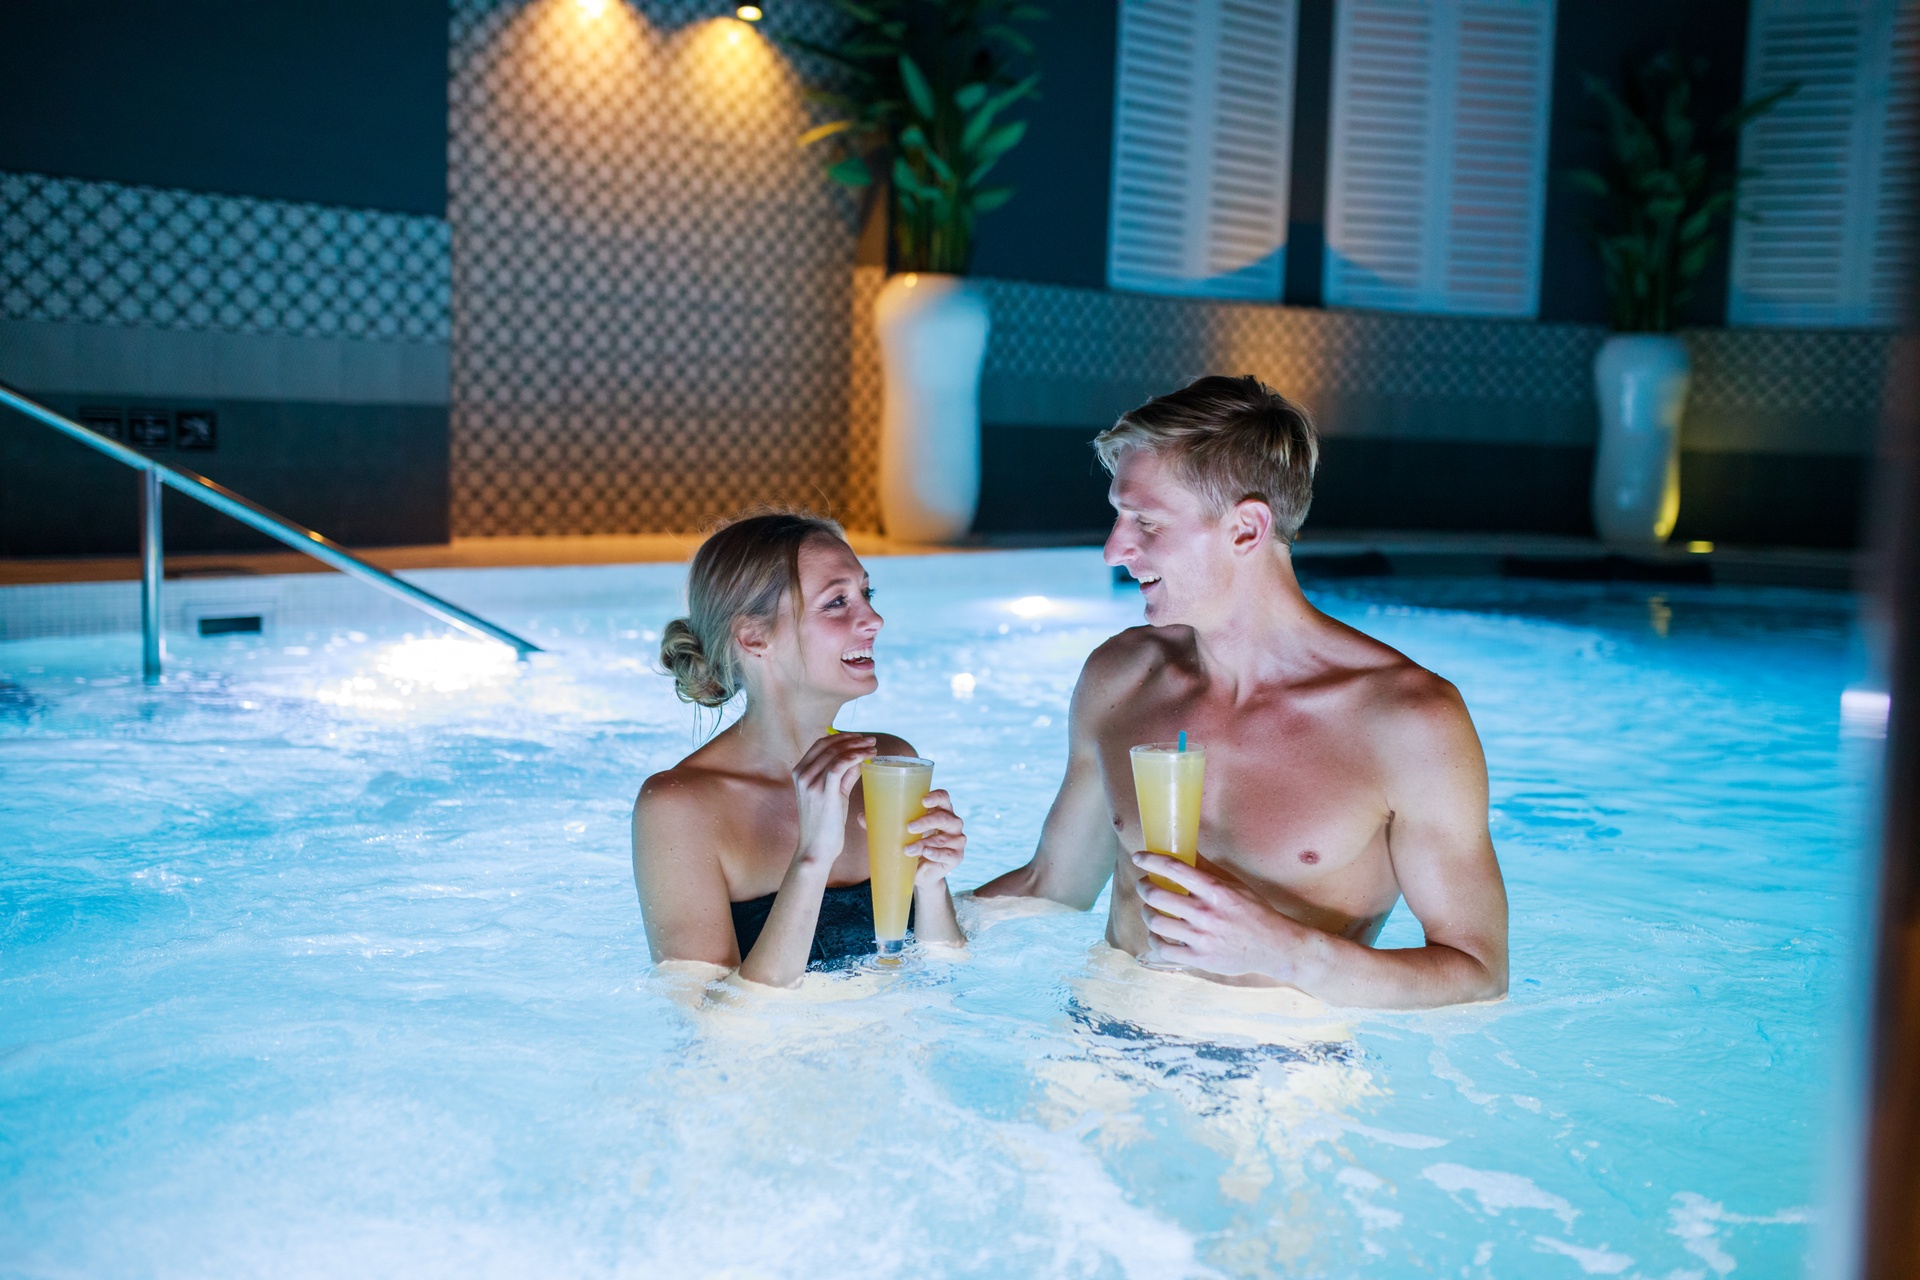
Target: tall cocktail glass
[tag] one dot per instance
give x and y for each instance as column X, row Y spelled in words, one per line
column 894, row 788
column 1166, row 780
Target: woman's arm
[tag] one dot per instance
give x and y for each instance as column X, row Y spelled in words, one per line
column 822, row 782
column 942, row 843
column 676, row 869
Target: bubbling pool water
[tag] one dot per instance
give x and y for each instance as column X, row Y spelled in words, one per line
column 324, row 958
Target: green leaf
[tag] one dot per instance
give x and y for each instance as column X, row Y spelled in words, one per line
column 851, row 171
column 906, row 180
column 836, row 56
column 1746, row 111
column 823, row 131
column 1011, row 38
column 970, row 95
column 919, row 92
column 1586, row 180
column 858, row 12
column 1694, row 260
column 991, row 198
column 995, row 145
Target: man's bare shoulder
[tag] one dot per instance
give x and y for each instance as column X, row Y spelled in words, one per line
column 1417, row 718
column 1395, row 694
column 1133, row 657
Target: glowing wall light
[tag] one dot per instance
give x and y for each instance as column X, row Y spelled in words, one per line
column 592, row 8
column 749, row 13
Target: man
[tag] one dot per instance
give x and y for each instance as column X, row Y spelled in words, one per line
column 1339, row 775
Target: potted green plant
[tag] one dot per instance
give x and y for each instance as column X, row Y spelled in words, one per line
column 919, row 93
column 1665, row 198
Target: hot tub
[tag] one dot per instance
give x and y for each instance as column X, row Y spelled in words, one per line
column 324, row 959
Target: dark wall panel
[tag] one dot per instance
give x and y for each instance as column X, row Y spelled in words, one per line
column 1772, row 499
column 1596, row 37
column 1055, row 229
column 1453, row 486
column 1307, row 183
column 1041, row 479
column 340, row 102
column 365, row 475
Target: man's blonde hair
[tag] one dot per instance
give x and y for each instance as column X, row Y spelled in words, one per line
column 1229, row 439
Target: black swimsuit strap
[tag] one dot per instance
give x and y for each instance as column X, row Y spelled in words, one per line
column 845, row 928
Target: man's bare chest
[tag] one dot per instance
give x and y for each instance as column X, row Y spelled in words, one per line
column 1290, row 805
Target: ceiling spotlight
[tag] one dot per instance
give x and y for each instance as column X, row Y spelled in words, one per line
column 749, row 13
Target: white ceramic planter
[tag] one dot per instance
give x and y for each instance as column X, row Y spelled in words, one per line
column 933, row 341
column 1641, row 380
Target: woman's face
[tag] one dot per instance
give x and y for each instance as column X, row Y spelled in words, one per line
column 831, row 648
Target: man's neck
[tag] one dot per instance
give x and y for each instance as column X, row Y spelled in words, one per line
column 1268, row 634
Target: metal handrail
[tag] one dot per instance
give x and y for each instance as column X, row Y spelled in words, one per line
column 247, row 512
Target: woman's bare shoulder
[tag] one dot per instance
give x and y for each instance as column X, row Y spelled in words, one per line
column 689, row 792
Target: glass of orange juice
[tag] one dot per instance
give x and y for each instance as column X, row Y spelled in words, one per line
column 894, row 787
column 1166, row 780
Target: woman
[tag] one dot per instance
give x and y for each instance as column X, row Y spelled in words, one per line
column 752, row 852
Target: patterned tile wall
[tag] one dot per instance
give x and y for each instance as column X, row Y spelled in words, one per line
column 1078, row 356
column 862, row 508
column 651, row 282
column 1043, row 332
column 104, row 253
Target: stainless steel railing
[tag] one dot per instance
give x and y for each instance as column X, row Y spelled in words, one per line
column 157, row 474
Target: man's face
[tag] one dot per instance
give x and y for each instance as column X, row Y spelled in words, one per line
column 1165, row 537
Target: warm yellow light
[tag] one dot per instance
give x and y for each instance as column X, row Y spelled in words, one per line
column 1700, row 548
column 593, row 8
column 749, row 13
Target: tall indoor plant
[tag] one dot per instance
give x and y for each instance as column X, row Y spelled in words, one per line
column 1665, row 197
column 919, row 92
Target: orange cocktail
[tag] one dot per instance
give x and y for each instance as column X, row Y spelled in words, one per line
column 894, row 787
column 1166, row 780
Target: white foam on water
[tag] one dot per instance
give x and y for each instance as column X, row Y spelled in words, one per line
column 1697, row 1221
column 1497, row 1192
column 1595, row 1262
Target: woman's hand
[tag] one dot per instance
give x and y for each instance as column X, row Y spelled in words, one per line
column 823, row 779
column 942, row 842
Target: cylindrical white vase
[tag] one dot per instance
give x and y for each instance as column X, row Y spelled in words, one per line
column 933, row 342
column 1641, row 380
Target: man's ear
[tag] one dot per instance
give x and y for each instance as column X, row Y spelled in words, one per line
column 1249, row 525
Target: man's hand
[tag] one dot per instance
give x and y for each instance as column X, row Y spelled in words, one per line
column 1218, row 926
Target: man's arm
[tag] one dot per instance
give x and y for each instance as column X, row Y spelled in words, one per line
column 1077, row 846
column 1442, row 854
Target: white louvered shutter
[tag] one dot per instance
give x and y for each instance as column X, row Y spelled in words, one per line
column 1203, row 124
column 1826, row 234
column 1436, row 165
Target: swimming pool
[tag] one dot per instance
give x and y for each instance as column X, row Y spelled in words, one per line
column 324, row 959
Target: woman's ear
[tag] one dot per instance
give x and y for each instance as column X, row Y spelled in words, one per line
column 751, row 638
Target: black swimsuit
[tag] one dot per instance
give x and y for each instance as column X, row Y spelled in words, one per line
column 845, row 929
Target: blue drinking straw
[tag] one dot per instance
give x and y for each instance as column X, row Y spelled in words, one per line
column 1183, row 740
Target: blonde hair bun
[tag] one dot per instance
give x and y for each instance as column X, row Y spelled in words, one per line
column 746, row 569
column 685, row 659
